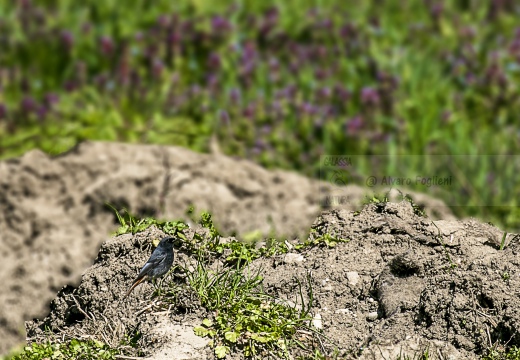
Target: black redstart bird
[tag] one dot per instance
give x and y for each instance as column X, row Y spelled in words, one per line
column 157, row 265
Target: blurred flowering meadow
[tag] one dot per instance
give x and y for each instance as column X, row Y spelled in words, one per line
column 278, row 82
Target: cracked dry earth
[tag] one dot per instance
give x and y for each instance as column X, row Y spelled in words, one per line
column 53, row 216
column 400, row 285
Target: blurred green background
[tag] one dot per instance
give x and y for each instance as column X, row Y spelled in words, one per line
column 279, row 82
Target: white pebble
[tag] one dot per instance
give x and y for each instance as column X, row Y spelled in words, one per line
column 353, row 277
column 291, row 258
column 372, row 316
column 316, row 321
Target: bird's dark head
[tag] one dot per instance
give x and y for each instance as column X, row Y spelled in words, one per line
column 171, row 240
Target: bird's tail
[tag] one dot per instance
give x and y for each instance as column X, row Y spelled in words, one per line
column 136, row 282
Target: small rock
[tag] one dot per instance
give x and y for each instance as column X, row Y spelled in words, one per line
column 292, row 258
column 370, row 300
column 342, row 311
column 372, row 316
column 260, row 244
column 316, row 321
column 353, row 278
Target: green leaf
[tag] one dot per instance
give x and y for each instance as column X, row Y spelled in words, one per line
column 221, row 351
column 231, row 336
column 200, row 331
column 260, row 338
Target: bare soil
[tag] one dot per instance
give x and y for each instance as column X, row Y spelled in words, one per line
column 53, row 216
column 401, row 284
column 404, row 283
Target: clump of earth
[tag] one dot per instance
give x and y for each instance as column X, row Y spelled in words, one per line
column 396, row 283
column 54, row 217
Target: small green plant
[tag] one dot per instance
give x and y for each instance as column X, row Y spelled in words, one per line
column 74, row 349
column 132, row 338
column 130, row 224
column 326, row 239
column 417, row 209
column 234, row 252
column 376, row 199
column 497, row 352
column 423, row 355
column 317, row 355
column 503, row 242
column 207, row 222
column 245, row 316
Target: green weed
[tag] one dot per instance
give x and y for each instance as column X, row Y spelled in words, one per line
column 246, row 318
column 74, row 349
column 499, row 353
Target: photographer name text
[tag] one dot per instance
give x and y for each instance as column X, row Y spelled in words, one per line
column 427, row 181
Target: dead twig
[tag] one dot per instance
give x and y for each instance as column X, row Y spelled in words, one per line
column 79, row 307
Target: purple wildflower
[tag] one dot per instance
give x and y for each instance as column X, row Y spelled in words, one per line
column 67, row 39
column 28, row 105
column 107, row 45
column 213, row 82
column 324, row 93
column 234, row 96
column 308, row 109
column 249, row 111
column 163, row 21
column 266, row 129
column 195, row 90
column 321, row 74
column 157, row 68
column 342, row 93
column 259, row 147
column 220, row 25
column 50, row 99
column 41, row 112
column 3, row 111
column 369, row 97
column 70, row 85
column 224, row 117
column 354, row 125
column 436, row 10
column 214, row 62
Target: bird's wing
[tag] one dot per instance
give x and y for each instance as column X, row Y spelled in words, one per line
column 154, row 260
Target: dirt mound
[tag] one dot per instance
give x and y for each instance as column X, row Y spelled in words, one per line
column 403, row 283
column 97, row 305
column 393, row 283
column 53, row 216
